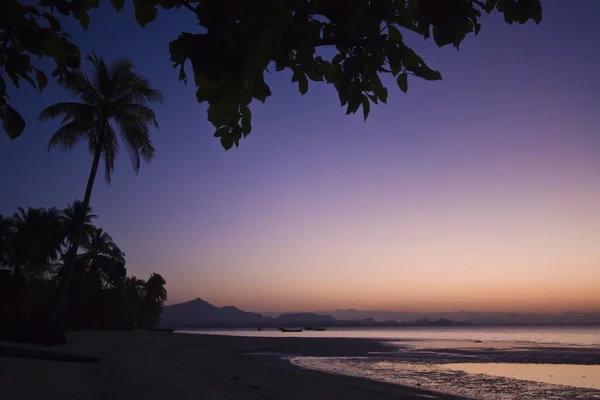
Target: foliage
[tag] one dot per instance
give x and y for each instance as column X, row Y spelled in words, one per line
column 154, row 298
column 74, row 215
column 350, row 44
column 113, row 98
column 28, row 31
column 33, row 242
column 242, row 39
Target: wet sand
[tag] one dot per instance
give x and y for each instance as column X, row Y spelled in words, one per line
column 157, row 365
column 481, row 370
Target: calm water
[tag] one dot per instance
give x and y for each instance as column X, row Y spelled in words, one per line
column 482, row 381
column 567, row 336
column 478, row 379
column 584, row 376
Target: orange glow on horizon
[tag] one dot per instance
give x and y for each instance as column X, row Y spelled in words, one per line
column 502, row 247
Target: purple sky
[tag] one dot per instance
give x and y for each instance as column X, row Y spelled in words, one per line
column 478, row 192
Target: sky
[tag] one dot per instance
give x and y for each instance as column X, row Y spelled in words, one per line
column 480, row 192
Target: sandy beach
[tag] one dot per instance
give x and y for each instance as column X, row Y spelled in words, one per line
column 157, row 365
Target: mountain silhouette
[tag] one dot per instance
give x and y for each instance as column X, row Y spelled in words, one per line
column 196, row 313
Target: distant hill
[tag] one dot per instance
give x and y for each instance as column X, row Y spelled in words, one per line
column 199, row 313
column 476, row 318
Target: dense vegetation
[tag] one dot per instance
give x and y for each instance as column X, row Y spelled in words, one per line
column 111, row 110
column 349, row 44
column 33, row 244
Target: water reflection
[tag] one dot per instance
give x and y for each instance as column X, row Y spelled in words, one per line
column 438, row 377
column 583, row 376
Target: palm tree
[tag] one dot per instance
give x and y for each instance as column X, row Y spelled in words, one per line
column 72, row 217
column 155, row 288
column 104, row 258
column 37, row 239
column 112, row 98
column 135, row 286
column 155, row 296
column 6, row 235
column 132, row 292
column 101, row 243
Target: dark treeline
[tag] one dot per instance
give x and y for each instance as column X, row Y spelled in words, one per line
column 33, row 243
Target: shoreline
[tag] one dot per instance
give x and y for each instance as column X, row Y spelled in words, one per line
column 157, row 365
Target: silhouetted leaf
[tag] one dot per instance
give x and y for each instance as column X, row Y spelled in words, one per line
column 395, row 35
column 337, row 59
column 354, row 102
column 53, row 21
column 118, row 4
column 2, row 91
column 430, row 75
column 246, row 120
column 299, row 77
column 220, row 113
column 144, row 12
column 261, row 91
column 41, row 79
column 303, row 84
column 314, row 75
column 366, row 107
column 167, row 4
column 222, row 131
column 84, row 19
column 377, row 87
column 490, row 5
column 12, row 121
column 227, row 142
column 402, row 82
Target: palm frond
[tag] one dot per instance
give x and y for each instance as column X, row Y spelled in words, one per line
column 66, row 109
column 100, row 78
column 78, row 85
column 140, row 91
column 121, row 70
column 136, row 134
column 67, row 136
column 110, row 144
column 140, row 111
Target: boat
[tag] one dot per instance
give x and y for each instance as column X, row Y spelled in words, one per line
column 310, row 328
column 319, row 329
column 290, row 330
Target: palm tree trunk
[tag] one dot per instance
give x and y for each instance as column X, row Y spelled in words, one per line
column 71, row 255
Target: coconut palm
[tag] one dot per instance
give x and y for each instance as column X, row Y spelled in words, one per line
column 112, row 98
column 155, row 295
column 36, row 242
column 135, row 286
column 6, row 235
column 72, row 217
column 155, row 288
column 101, row 243
column 104, row 258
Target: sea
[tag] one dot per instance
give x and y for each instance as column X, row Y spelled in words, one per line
column 563, row 335
column 486, row 363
